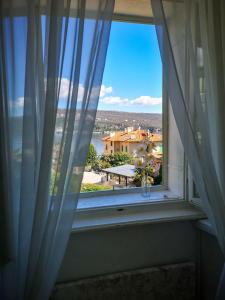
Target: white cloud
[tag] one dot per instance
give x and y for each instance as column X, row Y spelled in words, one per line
column 105, row 97
column 18, row 103
column 147, row 100
column 114, row 100
column 142, row 100
column 105, row 90
column 80, row 92
column 64, row 88
column 65, row 85
column 63, row 93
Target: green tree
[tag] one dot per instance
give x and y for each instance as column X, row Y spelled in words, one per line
column 92, row 155
column 117, row 159
column 100, row 164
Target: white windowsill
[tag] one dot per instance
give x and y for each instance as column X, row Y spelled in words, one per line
column 112, row 199
column 130, row 209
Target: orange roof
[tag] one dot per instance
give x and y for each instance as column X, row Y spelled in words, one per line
column 134, row 136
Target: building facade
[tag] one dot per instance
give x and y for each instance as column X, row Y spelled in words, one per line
column 129, row 140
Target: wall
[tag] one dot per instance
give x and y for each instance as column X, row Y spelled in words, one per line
column 131, row 247
column 171, row 282
column 132, row 147
column 211, row 264
column 110, row 149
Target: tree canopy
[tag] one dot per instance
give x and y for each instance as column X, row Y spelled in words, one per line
column 92, row 155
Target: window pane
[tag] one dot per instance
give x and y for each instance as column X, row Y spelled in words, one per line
column 129, row 112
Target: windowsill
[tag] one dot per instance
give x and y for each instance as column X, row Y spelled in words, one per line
column 132, row 209
column 98, row 200
column 205, row 226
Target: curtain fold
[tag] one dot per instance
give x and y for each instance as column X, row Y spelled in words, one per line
column 191, row 35
column 52, row 57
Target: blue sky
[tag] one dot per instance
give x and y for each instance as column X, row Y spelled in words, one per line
column 132, row 78
column 133, row 70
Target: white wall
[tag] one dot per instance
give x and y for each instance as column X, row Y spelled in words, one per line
column 125, row 248
column 132, row 247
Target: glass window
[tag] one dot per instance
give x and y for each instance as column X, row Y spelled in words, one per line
column 129, row 109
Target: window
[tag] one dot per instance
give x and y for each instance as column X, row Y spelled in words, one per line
column 133, row 106
column 129, row 111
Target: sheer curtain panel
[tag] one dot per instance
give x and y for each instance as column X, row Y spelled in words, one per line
column 191, row 35
column 52, row 56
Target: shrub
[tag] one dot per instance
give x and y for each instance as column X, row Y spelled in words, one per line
column 140, row 175
column 158, row 179
column 99, row 165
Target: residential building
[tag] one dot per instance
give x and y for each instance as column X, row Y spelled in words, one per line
column 128, row 141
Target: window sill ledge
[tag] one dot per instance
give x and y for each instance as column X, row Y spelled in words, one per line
column 205, row 226
column 99, row 200
column 141, row 213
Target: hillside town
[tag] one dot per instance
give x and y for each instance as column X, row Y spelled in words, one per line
column 118, row 166
column 115, row 159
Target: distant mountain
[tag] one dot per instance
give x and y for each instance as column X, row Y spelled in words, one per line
column 119, row 120
column 125, row 119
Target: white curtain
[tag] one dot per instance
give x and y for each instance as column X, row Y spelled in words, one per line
column 191, row 35
column 52, row 56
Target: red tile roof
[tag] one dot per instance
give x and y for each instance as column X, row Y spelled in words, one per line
column 134, row 136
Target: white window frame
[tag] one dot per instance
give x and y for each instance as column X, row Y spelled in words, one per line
column 156, row 188
column 165, row 207
column 192, row 198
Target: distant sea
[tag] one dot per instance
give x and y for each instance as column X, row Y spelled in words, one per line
column 17, row 141
column 98, row 143
column 96, row 140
